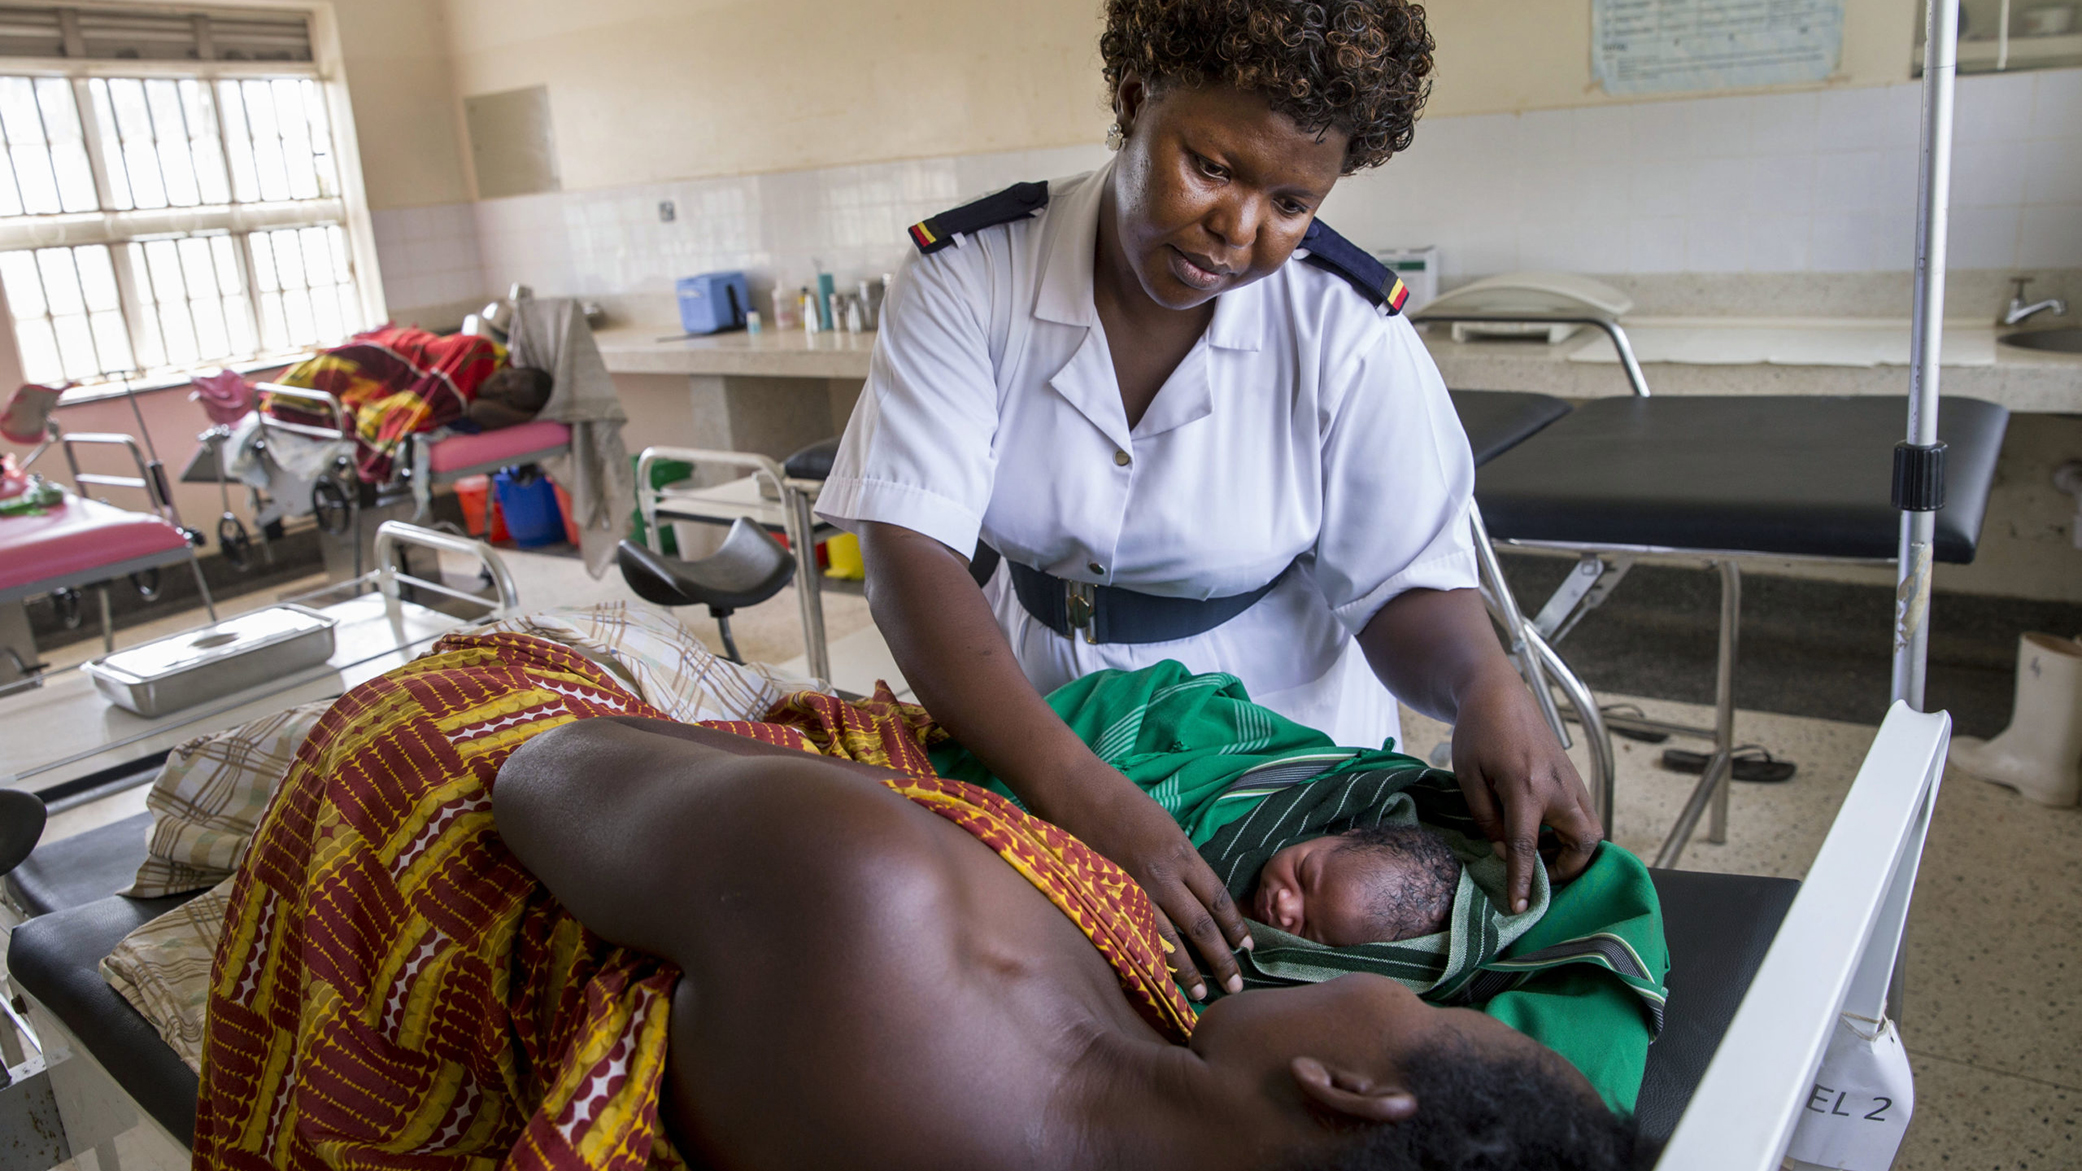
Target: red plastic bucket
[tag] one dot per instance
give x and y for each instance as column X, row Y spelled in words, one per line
column 471, row 492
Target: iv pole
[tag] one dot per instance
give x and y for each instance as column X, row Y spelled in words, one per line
column 1919, row 462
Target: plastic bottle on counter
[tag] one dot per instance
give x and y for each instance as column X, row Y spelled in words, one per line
column 752, row 323
column 787, row 309
column 810, row 321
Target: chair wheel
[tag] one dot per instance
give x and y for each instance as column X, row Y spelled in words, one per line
column 67, row 602
column 332, row 507
column 234, row 542
column 146, row 583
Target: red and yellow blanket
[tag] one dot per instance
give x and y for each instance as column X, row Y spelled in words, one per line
column 393, row 990
column 394, row 381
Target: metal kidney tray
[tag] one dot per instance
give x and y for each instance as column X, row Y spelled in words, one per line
column 197, row 666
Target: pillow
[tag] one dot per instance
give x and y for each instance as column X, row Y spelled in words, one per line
column 163, row 969
column 208, row 800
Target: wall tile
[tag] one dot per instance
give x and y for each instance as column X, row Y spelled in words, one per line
column 2051, row 236
column 1715, row 244
column 1786, row 123
column 1847, row 181
column 1993, row 107
column 1777, row 243
column 1842, row 242
column 1604, row 134
column 1659, row 187
column 2056, row 109
column 1726, row 128
column 2053, row 171
column 1983, row 237
column 1778, row 182
column 1988, row 174
column 1655, row 244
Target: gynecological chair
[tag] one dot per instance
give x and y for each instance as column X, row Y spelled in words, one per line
column 1724, row 478
column 83, row 541
column 767, row 500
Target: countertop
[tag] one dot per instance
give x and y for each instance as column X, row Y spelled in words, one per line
column 640, row 349
column 2022, row 380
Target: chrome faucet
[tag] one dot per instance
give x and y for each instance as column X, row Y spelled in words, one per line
column 2018, row 310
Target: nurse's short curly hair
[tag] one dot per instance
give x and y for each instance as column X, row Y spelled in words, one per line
column 1359, row 66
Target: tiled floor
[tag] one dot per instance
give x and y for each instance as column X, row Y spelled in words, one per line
column 1994, row 978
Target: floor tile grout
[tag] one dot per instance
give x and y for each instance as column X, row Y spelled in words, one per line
column 1925, row 1054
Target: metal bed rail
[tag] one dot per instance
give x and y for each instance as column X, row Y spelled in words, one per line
column 1612, row 329
column 798, row 522
column 342, row 426
column 1832, row 960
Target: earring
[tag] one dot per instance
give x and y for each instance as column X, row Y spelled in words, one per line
column 1115, row 136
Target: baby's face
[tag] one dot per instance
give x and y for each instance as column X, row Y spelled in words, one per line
column 1320, row 891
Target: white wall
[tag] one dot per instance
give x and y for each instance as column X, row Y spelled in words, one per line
column 1773, row 183
column 1779, row 183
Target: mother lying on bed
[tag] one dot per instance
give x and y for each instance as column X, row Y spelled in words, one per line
column 501, row 909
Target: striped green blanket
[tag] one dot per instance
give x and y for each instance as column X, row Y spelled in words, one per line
column 1581, row 970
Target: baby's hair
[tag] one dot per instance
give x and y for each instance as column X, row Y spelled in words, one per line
column 1416, row 897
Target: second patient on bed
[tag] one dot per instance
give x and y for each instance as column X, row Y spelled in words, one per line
column 1372, row 885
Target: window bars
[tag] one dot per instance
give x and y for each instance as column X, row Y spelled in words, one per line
column 151, row 224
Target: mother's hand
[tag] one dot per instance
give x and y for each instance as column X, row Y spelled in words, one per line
column 1517, row 778
column 1111, row 815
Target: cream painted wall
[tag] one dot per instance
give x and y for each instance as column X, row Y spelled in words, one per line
column 645, row 90
column 1505, row 56
column 400, row 81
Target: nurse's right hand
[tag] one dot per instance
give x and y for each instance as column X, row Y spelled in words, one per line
column 1195, row 915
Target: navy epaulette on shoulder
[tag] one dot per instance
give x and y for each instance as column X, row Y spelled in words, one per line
column 1333, row 253
column 1013, row 203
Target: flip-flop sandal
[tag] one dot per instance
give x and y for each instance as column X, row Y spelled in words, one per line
column 1752, row 763
column 1628, row 709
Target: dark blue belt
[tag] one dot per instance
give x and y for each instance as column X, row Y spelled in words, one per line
column 1102, row 613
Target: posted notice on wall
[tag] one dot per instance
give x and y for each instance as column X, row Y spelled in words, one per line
column 1673, row 46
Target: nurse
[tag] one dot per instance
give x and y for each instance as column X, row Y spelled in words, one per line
column 1175, row 417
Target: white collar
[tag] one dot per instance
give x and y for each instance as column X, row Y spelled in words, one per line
column 1070, row 245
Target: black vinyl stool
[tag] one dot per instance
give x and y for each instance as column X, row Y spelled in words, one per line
column 749, row 568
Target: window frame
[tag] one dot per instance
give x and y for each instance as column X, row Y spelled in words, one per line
column 101, row 227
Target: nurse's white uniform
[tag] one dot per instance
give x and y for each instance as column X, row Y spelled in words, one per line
column 1303, row 429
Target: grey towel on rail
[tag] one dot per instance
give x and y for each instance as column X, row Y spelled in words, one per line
column 550, row 333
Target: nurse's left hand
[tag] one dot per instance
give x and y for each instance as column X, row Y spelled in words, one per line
column 1517, row 778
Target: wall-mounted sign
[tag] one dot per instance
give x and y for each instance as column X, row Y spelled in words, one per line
column 1674, row 46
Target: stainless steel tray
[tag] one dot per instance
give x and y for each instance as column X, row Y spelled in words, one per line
column 197, row 666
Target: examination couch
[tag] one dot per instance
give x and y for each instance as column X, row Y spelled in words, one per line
column 1718, row 927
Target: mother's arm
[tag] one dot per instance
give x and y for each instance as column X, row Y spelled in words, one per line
column 1436, row 650
column 958, row 663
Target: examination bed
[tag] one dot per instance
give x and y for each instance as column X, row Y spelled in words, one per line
column 1761, row 967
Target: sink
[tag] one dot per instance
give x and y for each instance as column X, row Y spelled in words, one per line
column 2063, row 341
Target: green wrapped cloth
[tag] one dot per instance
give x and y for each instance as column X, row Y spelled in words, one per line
column 1581, row 970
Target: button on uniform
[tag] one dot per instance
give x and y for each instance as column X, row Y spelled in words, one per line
column 1095, row 567
column 1121, row 459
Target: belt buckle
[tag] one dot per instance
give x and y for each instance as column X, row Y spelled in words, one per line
column 1080, row 603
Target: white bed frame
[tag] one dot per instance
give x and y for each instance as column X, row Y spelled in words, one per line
column 1835, row 954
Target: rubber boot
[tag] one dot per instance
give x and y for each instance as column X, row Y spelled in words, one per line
column 2040, row 753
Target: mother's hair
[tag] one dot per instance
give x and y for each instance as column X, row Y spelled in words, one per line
column 1356, row 65
column 1497, row 1113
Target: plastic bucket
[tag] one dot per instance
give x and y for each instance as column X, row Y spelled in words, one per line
column 844, row 555
column 564, row 508
column 471, row 492
column 529, row 501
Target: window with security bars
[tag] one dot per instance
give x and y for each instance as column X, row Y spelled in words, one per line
column 157, row 223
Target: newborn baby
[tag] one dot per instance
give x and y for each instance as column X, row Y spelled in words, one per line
column 1373, row 885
